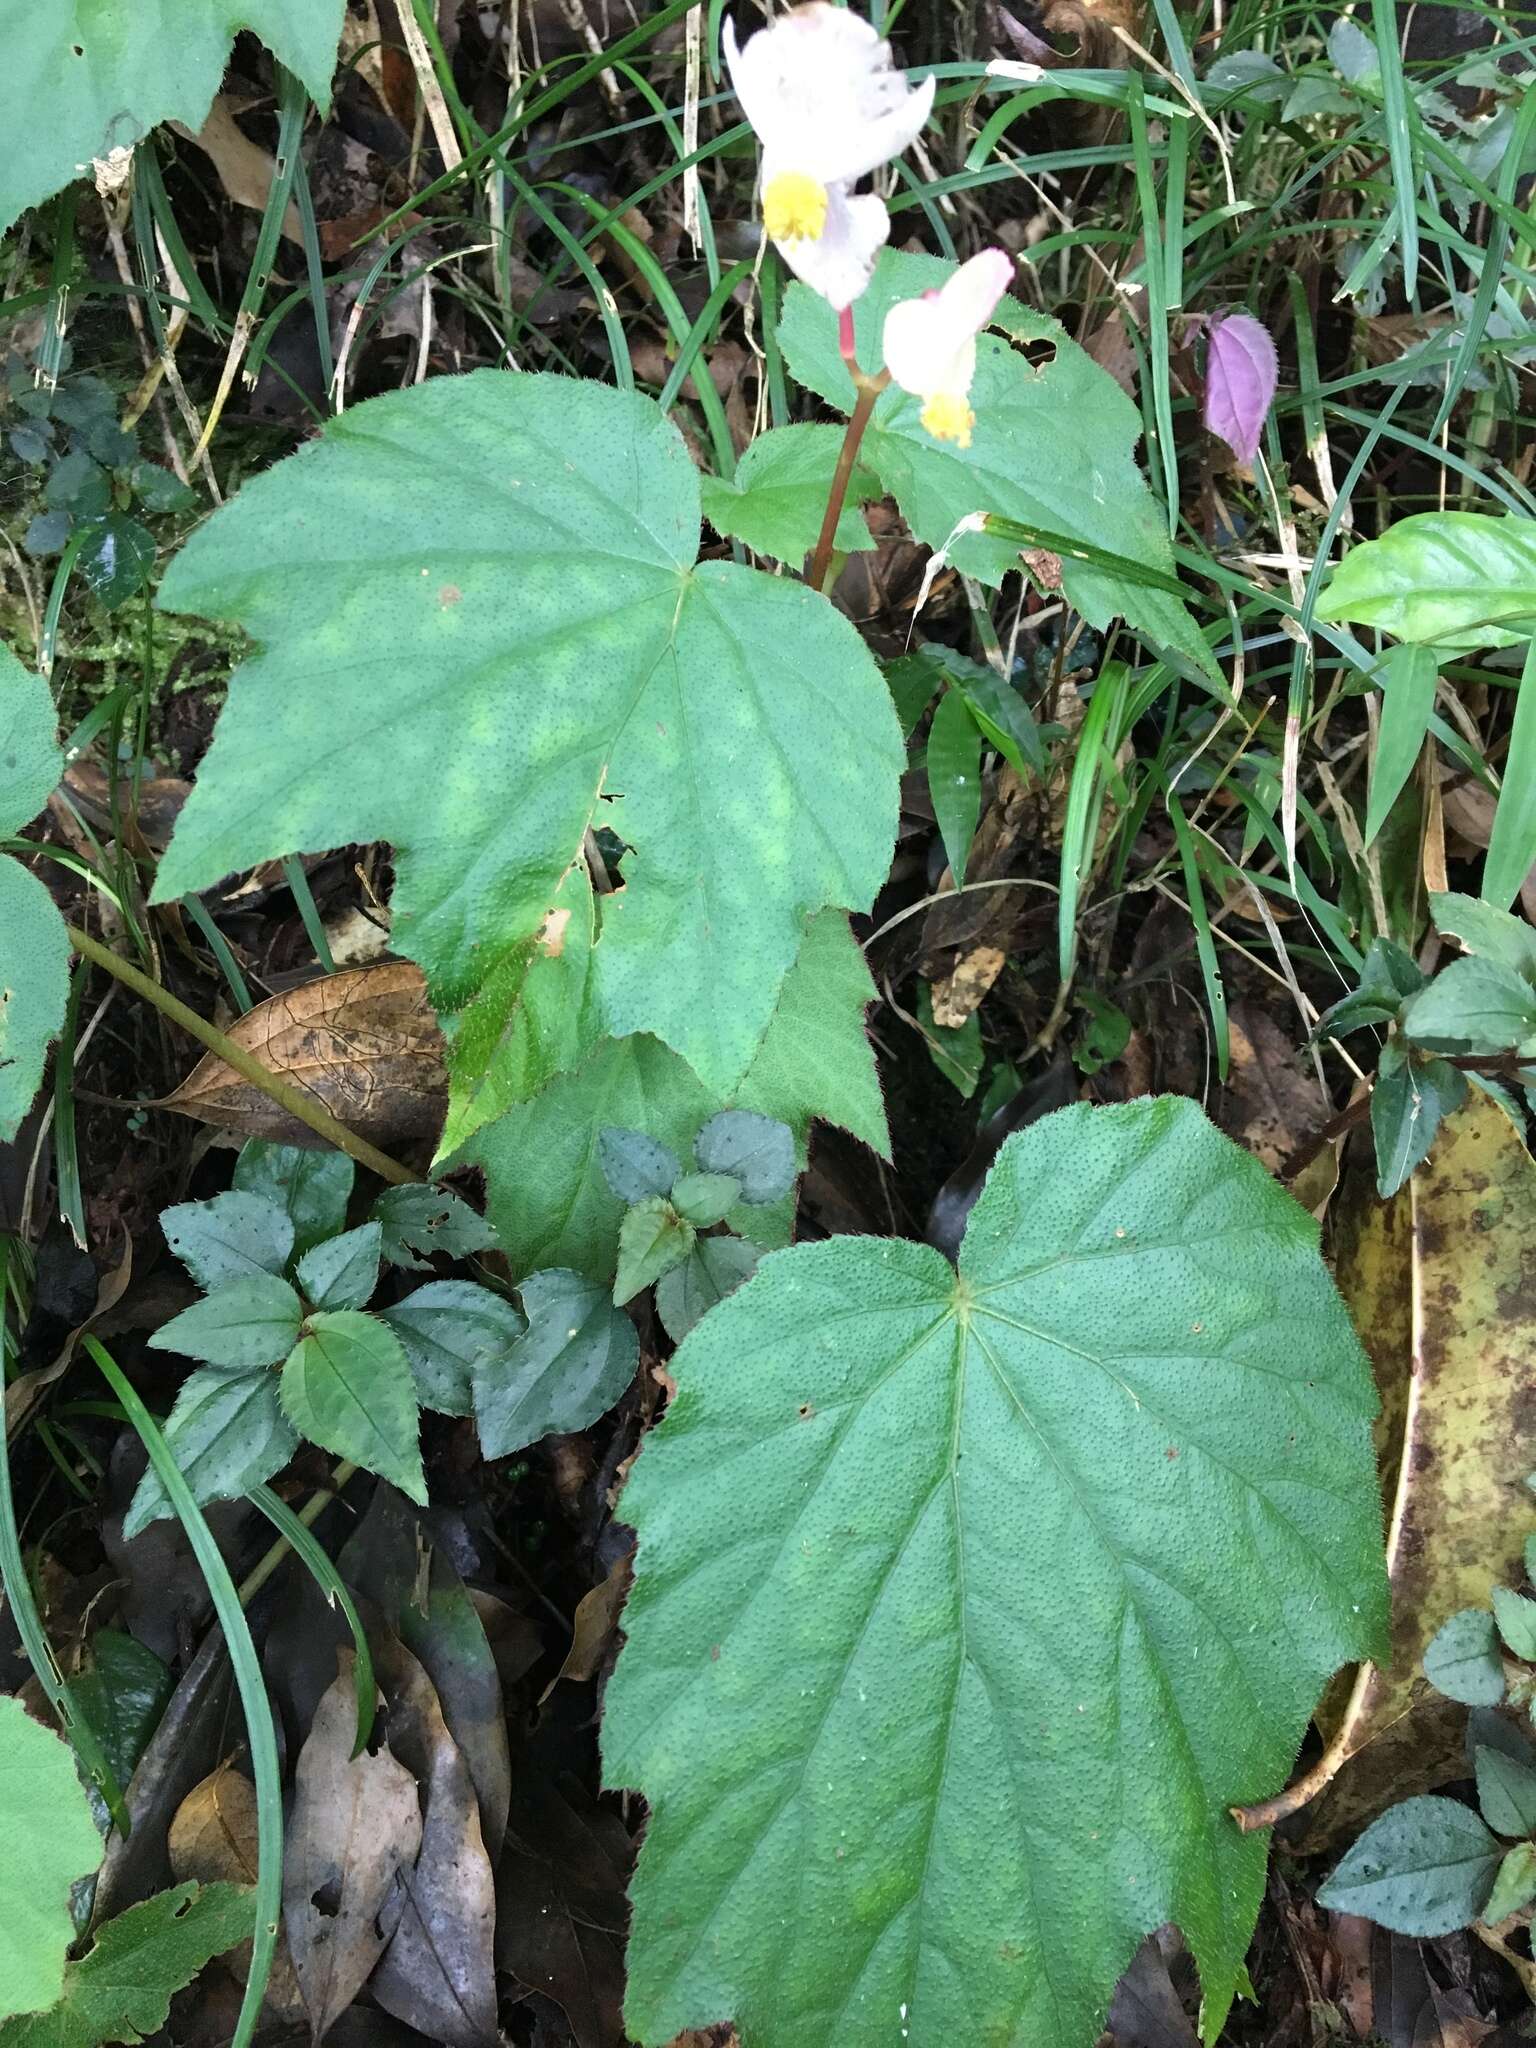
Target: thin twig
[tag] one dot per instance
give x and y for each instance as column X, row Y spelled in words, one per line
column 294, row 1100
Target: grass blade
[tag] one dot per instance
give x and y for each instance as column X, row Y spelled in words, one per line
column 1512, row 848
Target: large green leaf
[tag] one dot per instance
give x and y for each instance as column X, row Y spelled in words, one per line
column 485, row 630
column 47, row 1840
column 1053, row 449
column 82, row 78
column 121, row 1990
column 34, row 951
column 545, row 1189
column 1044, row 1568
column 1444, row 579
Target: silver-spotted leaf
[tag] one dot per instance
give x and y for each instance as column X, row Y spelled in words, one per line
column 313, row 1187
column 226, row 1433
column 342, row 1272
column 83, row 78
column 244, row 1324
column 497, row 574
column 446, row 1328
column 1044, row 1568
column 1053, row 449
column 575, row 1359
column 1425, row 1867
column 229, row 1237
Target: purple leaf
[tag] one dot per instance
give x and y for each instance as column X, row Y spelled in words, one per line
column 1241, row 371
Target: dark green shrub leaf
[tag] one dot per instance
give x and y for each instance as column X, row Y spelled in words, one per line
column 121, row 1989
column 714, row 1268
column 34, row 952
column 545, row 1191
column 50, row 1839
column 703, row 1199
column 1424, row 1868
column 1388, row 976
column 117, row 558
column 575, row 1360
column 692, row 707
column 348, row 1387
column 446, row 1327
column 956, row 1050
column 227, row 1433
column 113, row 446
column 342, row 1272
column 954, row 778
column 1408, row 677
column 999, row 709
column 1443, row 579
column 159, row 490
column 1463, row 1661
column 1515, row 1618
column 46, row 534
column 1053, row 449
column 1515, row 1885
column 1046, row 1566
column 1472, row 1006
column 757, row 1151
column 313, row 1187
column 229, row 1238
column 778, row 496
column 429, row 1219
column 1410, row 1096
column 653, row 1238
column 245, row 1324
column 78, row 486
column 79, row 83
column 1506, row 1791
column 121, row 1691
column 1484, row 929
column 635, row 1166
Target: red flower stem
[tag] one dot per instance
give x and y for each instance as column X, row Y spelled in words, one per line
column 845, row 338
column 869, row 389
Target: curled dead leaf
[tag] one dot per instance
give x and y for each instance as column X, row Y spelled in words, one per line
column 356, row 1824
column 364, row 1044
column 595, row 1625
column 213, row 1839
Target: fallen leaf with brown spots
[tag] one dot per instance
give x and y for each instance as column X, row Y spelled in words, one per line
column 1441, row 1283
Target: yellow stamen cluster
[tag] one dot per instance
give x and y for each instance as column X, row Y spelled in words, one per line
column 948, row 418
column 794, row 208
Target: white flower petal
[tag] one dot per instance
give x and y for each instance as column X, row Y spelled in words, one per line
column 841, row 261
column 930, row 343
column 820, row 90
column 861, row 148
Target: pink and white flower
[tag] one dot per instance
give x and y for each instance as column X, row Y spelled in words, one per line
column 930, row 343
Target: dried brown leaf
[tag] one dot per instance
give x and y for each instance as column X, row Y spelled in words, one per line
column 245, row 169
column 963, row 991
column 1440, row 1284
column 594, row 1625
column 214, row 1839
column 355, row 1826
column 437, row 1974
column 364, row 1044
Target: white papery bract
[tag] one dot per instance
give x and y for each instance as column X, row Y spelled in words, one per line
column 828, row 107
column 930, row 343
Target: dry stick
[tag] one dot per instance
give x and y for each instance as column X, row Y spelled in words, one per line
column 294, row 1100
column 870, row 389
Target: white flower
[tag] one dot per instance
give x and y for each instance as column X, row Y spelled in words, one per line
column 930, row 343
column 828, row 108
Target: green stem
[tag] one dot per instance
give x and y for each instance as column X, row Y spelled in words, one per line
column 870, row 389
column 294, row 1100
